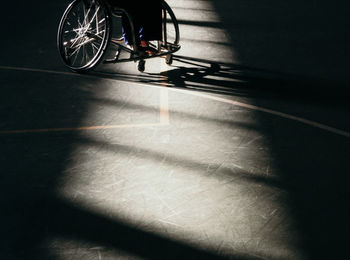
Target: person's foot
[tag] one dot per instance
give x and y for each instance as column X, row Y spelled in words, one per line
column 144, row 46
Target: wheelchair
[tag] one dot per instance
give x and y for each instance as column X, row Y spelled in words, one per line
column 85, row 33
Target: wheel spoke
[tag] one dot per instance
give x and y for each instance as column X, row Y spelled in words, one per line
column 93, row 17
column 75, row 51
column 76, row 56
column 94, row 47
column 86, row 14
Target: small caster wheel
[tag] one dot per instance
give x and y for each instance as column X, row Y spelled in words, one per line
column 141, row 66
column 117, row 54
column 169, row 59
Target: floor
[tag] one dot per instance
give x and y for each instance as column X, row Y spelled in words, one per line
column 210, row 158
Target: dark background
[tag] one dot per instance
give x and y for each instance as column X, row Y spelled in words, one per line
column 299, row 50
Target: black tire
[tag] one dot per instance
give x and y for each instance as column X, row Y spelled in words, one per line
column 84, row 34
column 141, row 65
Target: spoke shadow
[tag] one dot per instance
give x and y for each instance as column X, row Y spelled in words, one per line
column 236, row 80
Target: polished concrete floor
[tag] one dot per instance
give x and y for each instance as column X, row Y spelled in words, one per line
column 239, row 150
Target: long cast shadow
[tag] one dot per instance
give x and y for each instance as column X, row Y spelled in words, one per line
column 32, row 166
column 208, row 76
column 32, row 169
column 287, row 36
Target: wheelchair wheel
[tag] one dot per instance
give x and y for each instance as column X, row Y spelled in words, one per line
column 171, row 32
column 83, row 34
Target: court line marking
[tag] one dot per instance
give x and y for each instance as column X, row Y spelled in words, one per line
column 164, row 106
column 83, row 128
column 272, row 112
column 163, row 110
column 164, row 117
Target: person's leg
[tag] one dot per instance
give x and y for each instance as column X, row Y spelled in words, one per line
column 127, row 32
column 131, row 8
column 146, row 17
column 150, row 18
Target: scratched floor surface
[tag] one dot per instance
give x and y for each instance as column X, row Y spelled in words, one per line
column 206, row 159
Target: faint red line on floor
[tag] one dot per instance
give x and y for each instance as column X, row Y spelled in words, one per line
column 39, row 70
column 83, row 128
column 164, row 106
column 224, row 100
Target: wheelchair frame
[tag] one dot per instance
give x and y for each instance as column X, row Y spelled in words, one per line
column 85, row 30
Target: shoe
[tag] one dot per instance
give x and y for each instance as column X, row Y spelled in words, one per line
column 144, row 46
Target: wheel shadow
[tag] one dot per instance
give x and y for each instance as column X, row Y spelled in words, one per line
column 195, row 74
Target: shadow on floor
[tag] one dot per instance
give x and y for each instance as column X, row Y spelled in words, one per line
column 32, row 166
column 236, row 80
column 33, row 169
column 307, row 39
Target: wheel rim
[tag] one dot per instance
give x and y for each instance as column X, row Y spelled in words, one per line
column 83, row 33
column 172, row 27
